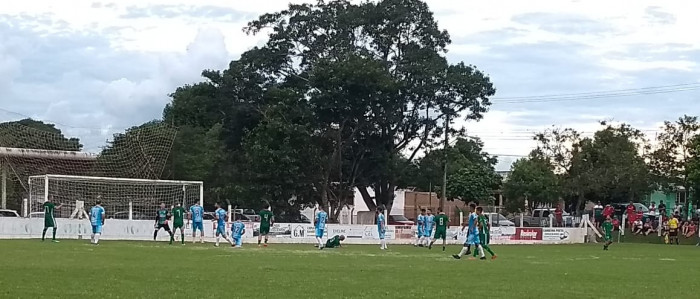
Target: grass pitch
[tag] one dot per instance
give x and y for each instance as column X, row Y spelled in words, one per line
column 76, row 269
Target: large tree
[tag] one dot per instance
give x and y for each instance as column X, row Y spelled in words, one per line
column 401, row 41
column 673, row 152
column 693, row 169
column 470, row 171
column 532, row 179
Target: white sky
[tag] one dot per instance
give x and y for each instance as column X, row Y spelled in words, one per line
column 97, row 67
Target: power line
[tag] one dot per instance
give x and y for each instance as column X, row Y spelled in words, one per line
column 599, row 95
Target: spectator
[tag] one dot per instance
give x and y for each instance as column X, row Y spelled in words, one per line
column 637, row 227
column 559, row 216
column 631, row 214
column 662, row 208
column 652, row 208
column 648, row 227
column 598, row 214
column 616, row 224
column 689, row 229
column 609, row 211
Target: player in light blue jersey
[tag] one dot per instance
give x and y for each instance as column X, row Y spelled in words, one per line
column 320, row 223
column 381, row 228
column 419, row 228
column 221, row 215
column 472, row 234
column 237, row 231
column 429, row 221
column 97, row 220
column 196, row 214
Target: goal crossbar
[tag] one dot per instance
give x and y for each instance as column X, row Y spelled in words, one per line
column 93, row 178
column 45, row 154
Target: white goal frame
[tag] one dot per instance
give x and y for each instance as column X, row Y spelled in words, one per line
column 79, row 208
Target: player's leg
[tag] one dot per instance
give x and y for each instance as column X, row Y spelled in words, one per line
column 155, row 231
column 182, row 234
column 54, row 234
column 92, row 236
column 43, row 233
column 97, row 231
column 319, row 238
column 465, row 250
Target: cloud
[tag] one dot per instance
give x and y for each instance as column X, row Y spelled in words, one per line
column 179, row 11
column 79, row 81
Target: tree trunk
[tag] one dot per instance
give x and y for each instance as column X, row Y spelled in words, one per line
column 369, row 200
column 577, row 207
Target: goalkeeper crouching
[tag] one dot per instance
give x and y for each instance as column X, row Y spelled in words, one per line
column 334, row 242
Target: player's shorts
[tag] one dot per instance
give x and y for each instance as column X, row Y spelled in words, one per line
column 382, row 234
column 237, row 239
column 221, row 230
column 97, row 229
column 484, row 239
column 440, row 234
column 264, row 230
column 177, row 225
column 164, row 226
column 197, row 226
column 319, row 233
column 427, row 233
column 608, row 237
column 472, row 239
column 673, row 232
column 420, row 232
column 49, row 223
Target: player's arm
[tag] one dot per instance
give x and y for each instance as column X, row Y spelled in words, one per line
column 59, row 207
column 103, row 216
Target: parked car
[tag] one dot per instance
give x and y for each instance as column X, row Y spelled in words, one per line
column 621, row 208
column 399, row 220
column 540, row 218
column 498, row 220
column 8, row 213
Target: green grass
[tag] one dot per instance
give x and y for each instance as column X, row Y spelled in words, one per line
column 75, row 269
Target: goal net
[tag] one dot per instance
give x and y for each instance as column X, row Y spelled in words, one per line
column 135, row 199
column 30, row 148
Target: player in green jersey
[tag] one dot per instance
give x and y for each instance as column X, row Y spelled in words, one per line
column 267, row 219
column 442, row 224
column 484, row 234
column 49, row 219
column 162, row 216
column 334, row 242
column 178, row 213
column 607, row 229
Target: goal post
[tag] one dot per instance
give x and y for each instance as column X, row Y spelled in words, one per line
column 122, row 198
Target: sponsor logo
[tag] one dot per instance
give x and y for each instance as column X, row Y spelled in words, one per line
column 528, row 234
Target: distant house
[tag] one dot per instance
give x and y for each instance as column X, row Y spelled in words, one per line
column 504, row 174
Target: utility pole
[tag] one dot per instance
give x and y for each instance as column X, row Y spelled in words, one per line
column 444, row 170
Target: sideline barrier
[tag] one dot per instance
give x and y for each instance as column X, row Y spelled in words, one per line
column 24, row 228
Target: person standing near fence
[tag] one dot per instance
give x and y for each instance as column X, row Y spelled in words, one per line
column 49, row 219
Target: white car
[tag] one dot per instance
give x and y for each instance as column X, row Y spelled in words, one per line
column 36, row 215
column 8, row 213
column 499, row 220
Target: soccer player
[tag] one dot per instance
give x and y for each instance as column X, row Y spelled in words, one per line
column 178, row 222
column 267, row 219
column 472, row 235
column 49, row 219
column 381, row 228
column 97, row 220
column 321, row 218
column 419, row 228
column 428, row 227
column 441, row 230
column 162, row 216
column 673, row 229
column 334, row 242
column 220, row 215
column 484, row 234
column 607, row 230
column 197, row 216
column 237, row 231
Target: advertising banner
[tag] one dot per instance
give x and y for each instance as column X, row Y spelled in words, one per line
column 555, row 234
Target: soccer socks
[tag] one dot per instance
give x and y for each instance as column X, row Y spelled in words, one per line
column 92, row 238
column 489, row 250
column 155, row 234
column 43, row 233
column 320, row 242
column 182, row 235
column 382, row 244
column 217, row 240
column 172, row 238
column 481, row 250
column 97, row 238
column 54, row 234
column 463, row 251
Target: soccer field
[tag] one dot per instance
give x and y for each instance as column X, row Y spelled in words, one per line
column 76, row 269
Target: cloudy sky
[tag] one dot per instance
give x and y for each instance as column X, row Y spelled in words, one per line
column 97, row 67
